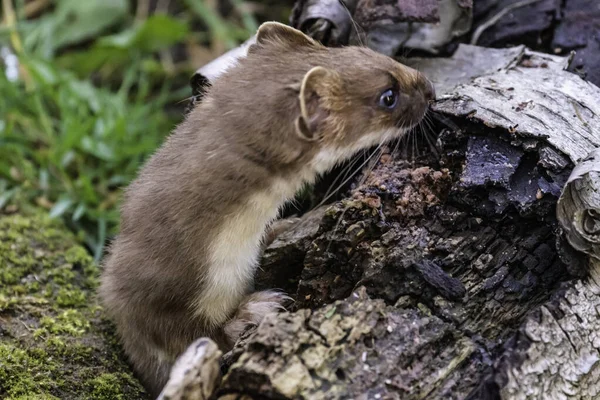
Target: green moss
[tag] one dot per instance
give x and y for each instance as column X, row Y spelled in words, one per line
column 55, row 342
column 71, row 322
column 78, row 255
column 24, row 372
column 108, row 387
column 71, row 298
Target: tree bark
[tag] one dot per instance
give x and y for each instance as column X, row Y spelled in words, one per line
column 447, row 277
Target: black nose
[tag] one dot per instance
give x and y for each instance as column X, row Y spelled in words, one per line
column 429, row 92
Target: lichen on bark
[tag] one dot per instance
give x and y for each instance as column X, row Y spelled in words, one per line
column 55, row 342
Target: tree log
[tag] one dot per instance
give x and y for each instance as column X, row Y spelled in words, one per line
column 448, row 277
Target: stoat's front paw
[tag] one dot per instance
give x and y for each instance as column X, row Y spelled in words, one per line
column 252, row 310
column 278, row 228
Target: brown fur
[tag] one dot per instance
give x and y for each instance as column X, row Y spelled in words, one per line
column 239, row 142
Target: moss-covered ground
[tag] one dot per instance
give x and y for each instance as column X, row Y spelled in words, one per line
column 55, row 342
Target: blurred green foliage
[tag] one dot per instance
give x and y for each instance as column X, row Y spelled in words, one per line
column 90, row 102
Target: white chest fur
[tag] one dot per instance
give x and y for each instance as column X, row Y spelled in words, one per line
column 234, row 252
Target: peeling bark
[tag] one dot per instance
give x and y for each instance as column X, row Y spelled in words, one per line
column 196, row 375
column 533, row 99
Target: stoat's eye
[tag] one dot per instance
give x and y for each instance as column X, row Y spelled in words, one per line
column 388, row 99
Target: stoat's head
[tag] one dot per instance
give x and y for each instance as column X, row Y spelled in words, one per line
column 349, row 98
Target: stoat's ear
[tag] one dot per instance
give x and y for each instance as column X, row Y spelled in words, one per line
column 318, row 86
column 277, row 33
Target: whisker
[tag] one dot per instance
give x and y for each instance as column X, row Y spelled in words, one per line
column 413, row 135
column 394, row 151
column 432, row 147
column 337, row 225
column 185, row 99
column 401, row 140
column 404, row 143
column 430, row 123
column 413, row 145
column 350, row 177
column 344, row 173
column 430, row 135
column 421, row 134
column 361, row 182
column 354, row 24
column 371, row 166
column 446, row 121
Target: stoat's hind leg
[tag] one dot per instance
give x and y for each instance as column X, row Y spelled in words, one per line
column 196, row 373
column 150, row 368
column 252, row 310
